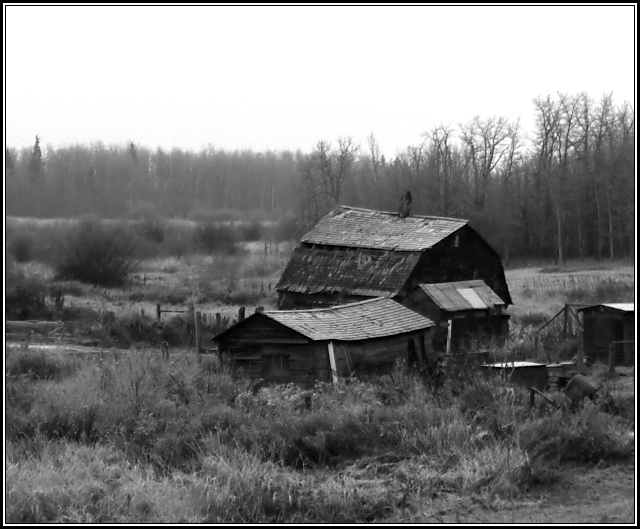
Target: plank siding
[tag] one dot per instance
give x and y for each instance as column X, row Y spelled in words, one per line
column 248, row 346
column 470, row 259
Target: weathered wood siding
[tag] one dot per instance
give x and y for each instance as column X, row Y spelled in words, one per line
column 419, row 302
column 461, row 257
column 378, row 356
column 246, row 349
column 603, row 326
column 467, row 325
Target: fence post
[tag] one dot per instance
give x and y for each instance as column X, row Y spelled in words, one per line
column 198, row 334
column 612, row 358
column 580, row 357
column 565, row 326
column 158, row 312
column 449, row 325
column 241, row 313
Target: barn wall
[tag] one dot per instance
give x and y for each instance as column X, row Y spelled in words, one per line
column 470, row 259
column 419, row 302
column 246, row 346
column 378, row 356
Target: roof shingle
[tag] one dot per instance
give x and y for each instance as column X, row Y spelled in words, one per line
column 364, row 228
column 374, row 273
column 373, row 318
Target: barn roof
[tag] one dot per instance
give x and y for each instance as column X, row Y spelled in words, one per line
column 373, row 318
column 366, row 228
column 462, row 295
column 313, row 271
column 622, row 307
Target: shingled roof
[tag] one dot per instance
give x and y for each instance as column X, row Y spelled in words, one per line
column 313, row 271
column 462, row 295
column 365, row 228
column 373, row 318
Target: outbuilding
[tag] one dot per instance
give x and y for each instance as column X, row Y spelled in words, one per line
column 461, row 311
column 305, row 346
column 609, row 325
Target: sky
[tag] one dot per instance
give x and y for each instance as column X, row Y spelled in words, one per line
column 284, row 78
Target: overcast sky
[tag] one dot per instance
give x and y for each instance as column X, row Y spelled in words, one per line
column 285, row 77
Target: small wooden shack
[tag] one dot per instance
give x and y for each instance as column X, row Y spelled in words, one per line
column 609, row 325
column 324, row 344
column 462, row 311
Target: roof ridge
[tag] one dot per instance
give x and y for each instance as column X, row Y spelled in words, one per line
column 431, row 217
column 332, row 308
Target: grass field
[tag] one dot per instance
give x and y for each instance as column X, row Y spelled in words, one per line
column 121, row 436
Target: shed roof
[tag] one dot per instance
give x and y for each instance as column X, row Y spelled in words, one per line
column 462, row 295
column 623, row 307
column 374, row 273
column 373, row 318
column 366, row 228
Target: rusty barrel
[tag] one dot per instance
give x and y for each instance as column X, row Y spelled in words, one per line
column 579, row 387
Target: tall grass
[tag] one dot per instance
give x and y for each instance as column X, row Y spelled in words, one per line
column 212, row 450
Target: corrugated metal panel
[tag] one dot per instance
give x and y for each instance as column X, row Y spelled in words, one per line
column 623, row 307
column 469, row 294
column 359, row 273
column 364, row 228
column 368, row 319
column 462, row 295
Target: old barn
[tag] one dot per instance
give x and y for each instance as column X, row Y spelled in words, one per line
column 323, row 344
column 354, row 254
column 462, row 311
column 609, row 325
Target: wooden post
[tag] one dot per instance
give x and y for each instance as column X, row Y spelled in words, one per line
column 198, row 324
column 580, row 357
column 565, row 325
column 332, row 362
column 241, row 313
column 449, row 326
column 218, row 323
column 612, row 358
column 158, row 312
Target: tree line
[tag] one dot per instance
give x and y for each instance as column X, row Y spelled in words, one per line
column 567, row 191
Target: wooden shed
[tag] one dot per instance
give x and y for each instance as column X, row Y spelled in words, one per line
column 609, row 325
column 462, row 311
column 354, row 253
column 324, row 344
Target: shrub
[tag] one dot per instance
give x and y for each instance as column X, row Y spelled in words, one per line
column 215, row 238
column 288, row 229
column 251, row 231
column 22, row 248
column 97, row 254
column 152, row 229
column 26, row 300
column 38, row 366
column 203, row 214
